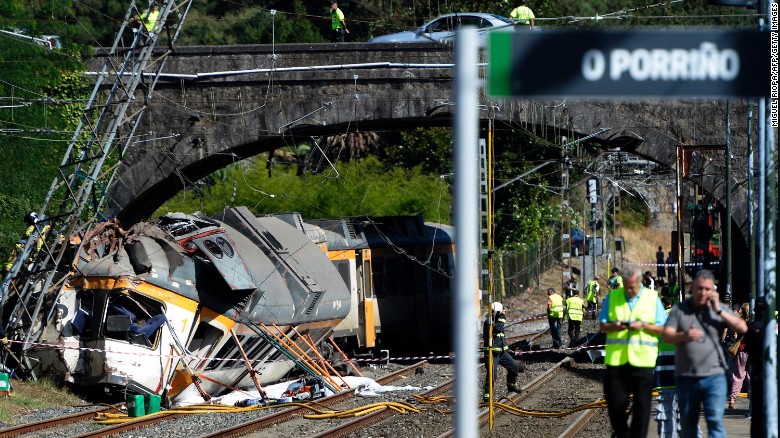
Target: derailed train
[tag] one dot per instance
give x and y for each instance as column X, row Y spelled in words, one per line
column 159, row 308
column 150, row 309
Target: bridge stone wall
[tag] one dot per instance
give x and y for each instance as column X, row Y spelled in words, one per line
column 194, row 126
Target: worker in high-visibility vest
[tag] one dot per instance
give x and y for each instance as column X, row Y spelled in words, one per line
column 632, row 317
column 150, row 18
column 500, row 351
column 575, row 309
column 523, row 14
column 337, row 23
column 555, row 316
column 31, row 219
column 592, row 297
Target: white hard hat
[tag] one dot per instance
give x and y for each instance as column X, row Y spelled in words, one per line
column 497, row 307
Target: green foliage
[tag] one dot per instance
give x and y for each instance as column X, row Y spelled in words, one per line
column 430, row 148
column 50, row 86
column 633, row 212
column 361, row 188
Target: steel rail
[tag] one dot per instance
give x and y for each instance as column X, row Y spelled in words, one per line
column 527, row 390
column 578, row 424
column 53, row 422
column 377, row 416
column 287, row 414
column 148, row 420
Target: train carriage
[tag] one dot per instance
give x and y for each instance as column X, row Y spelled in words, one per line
column 165, row 306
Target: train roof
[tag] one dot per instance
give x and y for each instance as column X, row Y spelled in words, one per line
column 386, row 231
column 254, row 269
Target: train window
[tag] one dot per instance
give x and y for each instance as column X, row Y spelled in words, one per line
column 344, row 270
column 203, row 341
column 213, row 248
column 82, row 320
column 380, row 276
column 368, row 286
column 225, row 245
column 133, row 318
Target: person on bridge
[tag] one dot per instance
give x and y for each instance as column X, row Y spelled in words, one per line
column 632, row 318
column 554, row 316
column 592, row 296
column 523, row 14
column 149, row 18
column 575, row 309
column 695, row 326
column 500, row 351
column 337, row 23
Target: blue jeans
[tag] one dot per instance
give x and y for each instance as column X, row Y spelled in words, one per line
column 555, row 330
column 692, row 392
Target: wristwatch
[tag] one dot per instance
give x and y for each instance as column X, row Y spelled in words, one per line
column 720, row 310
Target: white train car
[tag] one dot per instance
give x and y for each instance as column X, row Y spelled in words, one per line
column 168, row 307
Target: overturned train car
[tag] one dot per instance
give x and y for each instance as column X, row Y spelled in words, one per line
column 163, row 307
column 399, row 270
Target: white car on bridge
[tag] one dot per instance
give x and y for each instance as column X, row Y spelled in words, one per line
column 442, row 29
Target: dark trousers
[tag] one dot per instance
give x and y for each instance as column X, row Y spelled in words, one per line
column 504, row 359
column 592, row 310
column 619, row 382
column 337, row 36
column 555, row 331
column 574, row 332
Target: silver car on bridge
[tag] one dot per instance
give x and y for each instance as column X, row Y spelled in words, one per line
column 442, row 29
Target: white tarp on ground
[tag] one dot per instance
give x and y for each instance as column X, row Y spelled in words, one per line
column 364, row 387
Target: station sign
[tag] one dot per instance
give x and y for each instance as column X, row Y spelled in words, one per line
column 624, row 64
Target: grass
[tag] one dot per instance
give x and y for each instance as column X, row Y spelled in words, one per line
column 30, row 396
column 642, row 243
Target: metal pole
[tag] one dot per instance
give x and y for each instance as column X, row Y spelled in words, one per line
column 467, row 230
column 770, row 286
column 680, row 234
column 729, row 188
column 751, row 225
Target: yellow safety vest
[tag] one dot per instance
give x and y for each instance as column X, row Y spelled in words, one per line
column 591, row 290
column 574, row 308
column 523, row 14
column 636, row 348
column 336, row 17
column 556, row 306
column 150, row 20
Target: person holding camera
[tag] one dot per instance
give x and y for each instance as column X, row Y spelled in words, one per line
column 633, row 318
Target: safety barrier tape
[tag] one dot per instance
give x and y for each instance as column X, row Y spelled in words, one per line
column 669, row 265
column 382, row 359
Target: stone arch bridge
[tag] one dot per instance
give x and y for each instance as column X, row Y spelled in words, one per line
column 219, row 104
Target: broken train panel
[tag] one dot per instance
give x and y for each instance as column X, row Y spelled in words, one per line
column 176, row 287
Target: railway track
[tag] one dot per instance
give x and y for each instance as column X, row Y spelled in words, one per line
column 539, row 394
column 294, row 412
column 55, row 422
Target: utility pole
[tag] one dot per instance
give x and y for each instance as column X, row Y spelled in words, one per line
column 729, row 198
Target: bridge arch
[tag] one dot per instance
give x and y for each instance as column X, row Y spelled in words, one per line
column 204, row 116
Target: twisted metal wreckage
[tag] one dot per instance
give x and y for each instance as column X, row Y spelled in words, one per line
column 187, row 305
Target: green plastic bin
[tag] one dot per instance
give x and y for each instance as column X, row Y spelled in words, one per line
column 152, row 402
column 5, row 385
column 135, row 406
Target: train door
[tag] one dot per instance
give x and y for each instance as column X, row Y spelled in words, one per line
column 211, row 331
column 366, row 316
